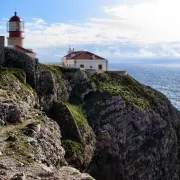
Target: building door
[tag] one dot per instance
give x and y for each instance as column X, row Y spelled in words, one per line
column 100, row 66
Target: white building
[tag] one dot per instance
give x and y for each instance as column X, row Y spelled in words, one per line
column 84, row 59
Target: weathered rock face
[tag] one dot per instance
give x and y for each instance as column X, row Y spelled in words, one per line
column 77, row 82
column 134, row 129
column 10, row 111
column 55, row 87
column 30, row 142
column 131, row 143
column 78, row 137
column 110, row 126
column 20, row 60
column 15, row 97
column 37, row 171
column 50, row 88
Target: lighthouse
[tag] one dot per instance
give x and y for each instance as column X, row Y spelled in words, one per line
column 15, row 40
column 15, row 28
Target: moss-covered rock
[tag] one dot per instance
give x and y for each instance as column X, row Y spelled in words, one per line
column 132, row 124
column 75, row 132
column 15, row 95
column 16, row 59
column 19, row 147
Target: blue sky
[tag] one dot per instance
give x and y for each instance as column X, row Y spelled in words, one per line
column 119, row 30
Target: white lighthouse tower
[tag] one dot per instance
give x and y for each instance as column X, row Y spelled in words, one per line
column 15, row 40
column 15, row 28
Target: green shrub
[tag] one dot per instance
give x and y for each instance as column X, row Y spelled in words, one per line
column 72, row 147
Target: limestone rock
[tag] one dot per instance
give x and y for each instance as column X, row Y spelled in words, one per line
column 11, row 112
column 78, row 84
column 17, row 59
column 107, row 125
column 50, row 89
column 19, row 177
column 129, row 141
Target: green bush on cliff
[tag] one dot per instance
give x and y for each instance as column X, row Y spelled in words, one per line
column 72, row 147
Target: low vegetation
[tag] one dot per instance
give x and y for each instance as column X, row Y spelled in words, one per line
column 131, row 90
column 72, row 147
column 13, row 82
column 78, row 114
column 19, row 147
column 56, row 70
column 14, row 73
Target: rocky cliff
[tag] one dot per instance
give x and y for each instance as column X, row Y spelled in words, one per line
column 54, row 119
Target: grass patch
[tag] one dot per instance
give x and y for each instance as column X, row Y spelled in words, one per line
column 13, row 73
column 131, row 90
column 56, row 70
column 78, row 114
column 11, row 78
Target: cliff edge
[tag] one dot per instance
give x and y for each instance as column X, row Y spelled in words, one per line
column 56, row 120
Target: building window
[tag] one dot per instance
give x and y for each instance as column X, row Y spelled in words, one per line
column 100, row 66
column 82, row 66
column 91, row 67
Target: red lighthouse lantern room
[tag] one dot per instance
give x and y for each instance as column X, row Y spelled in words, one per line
column 15, row 27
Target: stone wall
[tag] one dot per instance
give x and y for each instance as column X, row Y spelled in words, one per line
column 1, row 49
column 118, row 72
column 17, row 59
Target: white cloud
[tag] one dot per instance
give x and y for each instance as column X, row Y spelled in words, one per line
column 145, row 53
column 157, row 21
column 169, row 51
column 143, row 24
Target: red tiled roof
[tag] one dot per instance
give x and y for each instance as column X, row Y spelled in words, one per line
column 21, row 49
column 74, row 52
column 83, row 55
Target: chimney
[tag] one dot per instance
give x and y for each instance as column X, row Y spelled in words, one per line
column 69, row 50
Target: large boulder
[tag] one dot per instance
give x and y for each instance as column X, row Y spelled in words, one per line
column 50, row 88
column 77, row 82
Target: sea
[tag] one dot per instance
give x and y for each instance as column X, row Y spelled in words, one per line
column 162, row 77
